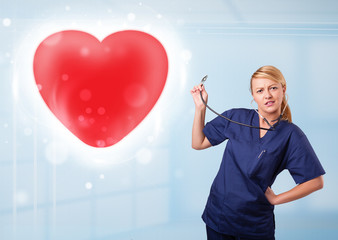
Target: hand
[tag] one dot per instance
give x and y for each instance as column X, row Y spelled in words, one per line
column 271, row 196
column 299, row 191
column 195, row 92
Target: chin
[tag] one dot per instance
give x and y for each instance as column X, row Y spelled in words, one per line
column 272, row 111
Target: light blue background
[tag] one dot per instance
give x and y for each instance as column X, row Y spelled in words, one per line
column 163, row 195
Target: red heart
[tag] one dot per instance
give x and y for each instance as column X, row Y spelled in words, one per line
column 100, row 90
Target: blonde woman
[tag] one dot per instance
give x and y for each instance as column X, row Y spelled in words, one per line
column 241, row 201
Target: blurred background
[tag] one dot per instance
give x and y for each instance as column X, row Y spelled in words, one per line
column 153, row 185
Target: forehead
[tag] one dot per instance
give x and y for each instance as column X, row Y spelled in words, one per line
column 262, row 82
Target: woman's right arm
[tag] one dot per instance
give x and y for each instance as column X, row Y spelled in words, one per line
column 199, row 140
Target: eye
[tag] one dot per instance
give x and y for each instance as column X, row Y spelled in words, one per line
column 274, row 88
column 259, row 91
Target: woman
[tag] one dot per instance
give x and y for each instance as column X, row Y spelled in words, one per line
column 241, row 202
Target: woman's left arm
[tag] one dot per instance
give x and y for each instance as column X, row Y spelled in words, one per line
column 295, row 193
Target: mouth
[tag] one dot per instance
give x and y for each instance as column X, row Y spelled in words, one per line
column 269, row 103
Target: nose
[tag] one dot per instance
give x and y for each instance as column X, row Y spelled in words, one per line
column 267, row 94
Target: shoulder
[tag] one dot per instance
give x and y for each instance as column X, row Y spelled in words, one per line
column 294, row 133
column 235, row 114
column 294, row 129
column 240, row 112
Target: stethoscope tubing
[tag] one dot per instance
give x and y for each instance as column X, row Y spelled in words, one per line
column 272, row 128
column 230, row 120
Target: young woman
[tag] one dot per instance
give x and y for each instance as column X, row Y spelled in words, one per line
column 241, row 202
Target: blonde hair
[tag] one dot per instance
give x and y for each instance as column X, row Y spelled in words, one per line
column 273, row 73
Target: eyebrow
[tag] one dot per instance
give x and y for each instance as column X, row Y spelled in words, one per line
column 268, row 86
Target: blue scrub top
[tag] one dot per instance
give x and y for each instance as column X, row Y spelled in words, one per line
column 237, row 204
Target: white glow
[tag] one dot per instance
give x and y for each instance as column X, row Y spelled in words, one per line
column 56, row 152
column 146, row 28
column 88, row 185
column 28, row 131
column 150, row 139
column 186, row 55
column 62, row 145
column 144, row 156
column 131, row 17
column 21, row 197
column 6, row 22
column 15, row 87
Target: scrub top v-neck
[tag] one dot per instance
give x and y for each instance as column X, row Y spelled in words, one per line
column 237, row 204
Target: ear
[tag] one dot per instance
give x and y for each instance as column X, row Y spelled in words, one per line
column 253, row 98
column 284, row 89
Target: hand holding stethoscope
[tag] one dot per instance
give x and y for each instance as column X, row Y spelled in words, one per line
column 196, row 93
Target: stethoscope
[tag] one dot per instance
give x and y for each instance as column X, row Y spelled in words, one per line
column 272, row 128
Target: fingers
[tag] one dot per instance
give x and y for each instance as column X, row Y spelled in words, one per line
column 197, row 88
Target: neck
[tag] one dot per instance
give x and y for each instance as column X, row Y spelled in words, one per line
column 272, row 118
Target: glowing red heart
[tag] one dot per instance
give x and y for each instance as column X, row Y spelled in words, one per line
column 100, row 90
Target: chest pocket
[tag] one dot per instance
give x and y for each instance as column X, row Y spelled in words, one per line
column 256, row 163
column 264, row 166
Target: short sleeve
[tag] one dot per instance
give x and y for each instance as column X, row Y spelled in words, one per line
column 215, row 130
column 302, row 162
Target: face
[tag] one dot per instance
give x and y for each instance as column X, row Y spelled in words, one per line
column 268, row 95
